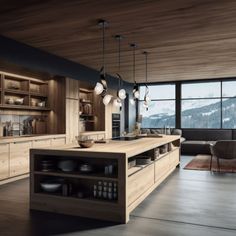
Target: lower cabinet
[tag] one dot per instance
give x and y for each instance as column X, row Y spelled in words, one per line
column 161, row 167
column 19, row 158
column 174, row 158
column 58, row 141
column 41, row 143
column 4, row 161
column 141, row 181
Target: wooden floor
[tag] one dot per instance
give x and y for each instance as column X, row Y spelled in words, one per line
column 189, row 203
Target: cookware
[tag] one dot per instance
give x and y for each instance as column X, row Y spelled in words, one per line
column 67, row 165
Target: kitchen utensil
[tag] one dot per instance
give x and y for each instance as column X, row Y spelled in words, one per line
column 67, row 165
column 143, row 160
column 10, row 101
column 33, row 103
column 47, row 165
column 86, row 168
column 12, row 85
column 86, row 143
column 19, row 101
column 51, row 186
column 41, row 104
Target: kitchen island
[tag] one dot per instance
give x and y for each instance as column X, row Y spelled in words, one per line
column 119, row 176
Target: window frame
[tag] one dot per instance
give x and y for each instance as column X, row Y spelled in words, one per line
column 157, row 100
column 178, row 92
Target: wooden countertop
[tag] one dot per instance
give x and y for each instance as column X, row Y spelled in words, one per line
column 128, row 148
column 29, row 138
column 92, row 132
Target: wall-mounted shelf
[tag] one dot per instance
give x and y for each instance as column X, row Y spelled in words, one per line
column 29, row 90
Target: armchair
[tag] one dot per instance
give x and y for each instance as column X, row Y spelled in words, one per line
column 224, row 149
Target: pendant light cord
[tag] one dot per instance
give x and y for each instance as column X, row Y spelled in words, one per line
column 119, row 52
column 103, row 47
column 134, row 63
column 146, row 60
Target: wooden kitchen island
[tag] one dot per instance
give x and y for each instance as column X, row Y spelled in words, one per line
column 104, row 193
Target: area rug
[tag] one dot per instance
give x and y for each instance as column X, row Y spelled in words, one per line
column 202, row 162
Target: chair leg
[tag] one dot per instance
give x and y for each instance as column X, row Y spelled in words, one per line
column 211, row 162
column 218, row 164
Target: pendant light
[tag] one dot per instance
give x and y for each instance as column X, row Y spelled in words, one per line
column 146, row 99
column 121, row 93
column 135, row 88
column 101, row 87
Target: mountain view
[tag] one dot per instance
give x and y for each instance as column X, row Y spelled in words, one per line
column 208, row 116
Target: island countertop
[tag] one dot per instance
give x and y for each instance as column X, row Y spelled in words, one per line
column 128, row 148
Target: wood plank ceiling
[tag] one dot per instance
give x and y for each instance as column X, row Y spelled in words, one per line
column 187, row 39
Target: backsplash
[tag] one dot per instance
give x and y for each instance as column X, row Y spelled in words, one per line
column 19, row 125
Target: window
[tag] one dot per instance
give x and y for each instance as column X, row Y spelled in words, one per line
column 161, row 111
column 201, row 105
column 229, row 104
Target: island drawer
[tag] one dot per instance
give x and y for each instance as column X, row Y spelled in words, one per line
column 161, row 167
column 139, row 182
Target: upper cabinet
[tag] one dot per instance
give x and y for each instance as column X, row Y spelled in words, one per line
column 19, row 92
column 72, row 88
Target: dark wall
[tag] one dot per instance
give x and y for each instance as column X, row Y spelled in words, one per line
column 41, row 61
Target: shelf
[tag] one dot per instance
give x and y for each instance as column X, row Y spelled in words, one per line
column 81, row 200
column 24, row 107
column 86, row 102
column 34, row 94
column 83, row 90
column 164, row 154
column 87, row 115
column 137, row 168
column 16, row 92
column 76, row 175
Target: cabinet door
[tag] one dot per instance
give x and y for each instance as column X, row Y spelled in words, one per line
column 72, row 120
column 58, row 141
column 4, row 161
column 19, row 158
column 101, row 136
column 174, row 158
column 140, row 182
column 162, row 166
column 41, row 143
column 72, row 88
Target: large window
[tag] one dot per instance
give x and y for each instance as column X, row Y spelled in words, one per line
column 208, row 105
column 201, row 105
column 229, row 104
column 161, row 111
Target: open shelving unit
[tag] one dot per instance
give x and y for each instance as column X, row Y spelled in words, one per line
column 87, row 116
column 24, row 93
column 78, row 180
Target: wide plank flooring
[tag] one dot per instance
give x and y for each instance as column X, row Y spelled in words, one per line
column 188, row 203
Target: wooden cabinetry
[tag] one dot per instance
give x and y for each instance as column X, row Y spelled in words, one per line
column 72, row 119
column 14, row 154
column 72, row 88
column 131, row 187
column 72, row 110
column 161, row 167
column 174, row 157
column 4, row 161
column 19, row 158
column 20, row 92
column 58, row 141
column 138, row 183
column 41, row 143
